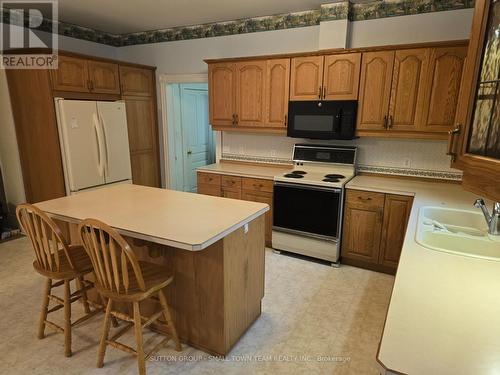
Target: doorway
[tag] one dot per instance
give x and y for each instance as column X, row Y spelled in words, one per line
column 190, row 139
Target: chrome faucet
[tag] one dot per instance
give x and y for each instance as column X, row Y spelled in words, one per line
column 492, row 219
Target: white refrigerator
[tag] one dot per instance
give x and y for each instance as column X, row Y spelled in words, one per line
column 94, row 143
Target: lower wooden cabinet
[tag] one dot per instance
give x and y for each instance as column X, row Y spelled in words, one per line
column 248, row 189
column 374, row 229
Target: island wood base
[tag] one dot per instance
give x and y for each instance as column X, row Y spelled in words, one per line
column 216, row 293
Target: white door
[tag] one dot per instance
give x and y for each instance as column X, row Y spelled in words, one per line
column 82, row 144
column 113, row 120
column 197, row 135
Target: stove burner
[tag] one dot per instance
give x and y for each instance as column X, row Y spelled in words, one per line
column 334, row 175
column 293, row 175
column 299, row 172
column 331, row 179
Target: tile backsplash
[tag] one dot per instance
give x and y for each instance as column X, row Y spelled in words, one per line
column 394, row 156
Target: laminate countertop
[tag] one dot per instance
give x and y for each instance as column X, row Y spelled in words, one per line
column 184, row 220
column 444, row 313
column 246, row 169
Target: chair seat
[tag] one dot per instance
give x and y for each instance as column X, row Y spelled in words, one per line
column 80, row 259
column 155, row 276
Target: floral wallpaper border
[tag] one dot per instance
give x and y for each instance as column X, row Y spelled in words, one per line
column 353, row 10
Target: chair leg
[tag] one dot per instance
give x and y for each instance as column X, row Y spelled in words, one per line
column 168, row 318
column 114, row 321
column 67, row 319
column 138, row 337
column 45, row 306
column 81, row 285
column 105, row 333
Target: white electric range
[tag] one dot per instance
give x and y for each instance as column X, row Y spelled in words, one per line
column 309, row 199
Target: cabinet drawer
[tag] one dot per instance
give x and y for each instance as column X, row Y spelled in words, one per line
column 365, row 199
column 208, row 178
column 231, row 182
column 256, row 184
column 209, row 189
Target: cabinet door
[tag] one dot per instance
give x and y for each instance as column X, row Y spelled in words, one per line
column 104, row 77
column 341, row 76
column 143, row 140
column 362, row 226
column 136, row 81
column 408, row 89
column 277, row 92
column 396, row 213
column 375, row 90
column 222, row 87
column 442, row 88
column 231, row 193
column 262, row 197
column 250, row 85
column 71, row 75
column 306, row 78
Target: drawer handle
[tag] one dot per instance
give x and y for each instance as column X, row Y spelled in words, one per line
column 258, row 185
column 364, row 199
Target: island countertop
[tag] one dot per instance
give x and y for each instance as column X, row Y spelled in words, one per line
column 443, row 317
column 182, row 220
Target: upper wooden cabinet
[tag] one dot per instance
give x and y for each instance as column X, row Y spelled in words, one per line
column 410, row 92
column 249, row 95
column 407, row 89
column 474, row 143
column 250, row 91
column 82, row 75
column 104, row 77
column 222, row 86
column 71, row 75
column 307, row 78
column 276, row 95
column 341, row 76
column 375, row 90
column 442, row 88
column 330, row 77
column 136, row 81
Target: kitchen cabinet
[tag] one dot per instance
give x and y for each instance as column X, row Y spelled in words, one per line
column 474, row 143
column 245, row 188
column 222, row 87
column 306, row 78
column 277, row 90
column 136, row 81
column 249, row 95
column 374, row 229
column 341, row 76
column 442, row 88
column 104, row 77
column 407, row 89
column 330, row 77
column 375, row 90
column 250, row 91
column 76, row 74
column 71, row 75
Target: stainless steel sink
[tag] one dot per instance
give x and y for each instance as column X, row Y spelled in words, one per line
column 456, row 231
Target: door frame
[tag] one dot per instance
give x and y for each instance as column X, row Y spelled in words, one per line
column 164, row 80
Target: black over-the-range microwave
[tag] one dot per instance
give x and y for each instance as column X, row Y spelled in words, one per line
column 322, row 119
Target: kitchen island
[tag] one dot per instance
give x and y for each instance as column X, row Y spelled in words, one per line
column 213, row 246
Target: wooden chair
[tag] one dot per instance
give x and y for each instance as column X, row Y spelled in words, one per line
column 121, row 277
column 56, row 260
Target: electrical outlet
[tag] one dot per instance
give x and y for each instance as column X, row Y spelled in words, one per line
column 273, row 153
column 407, row 162
column 241, row 150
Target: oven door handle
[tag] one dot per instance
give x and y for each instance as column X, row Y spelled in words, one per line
column 307, row 187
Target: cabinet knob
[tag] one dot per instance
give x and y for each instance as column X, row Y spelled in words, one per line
column 189, row 152
column 385, row 122
column 319, row 93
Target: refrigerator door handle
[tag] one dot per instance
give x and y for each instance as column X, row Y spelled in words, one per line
column 100, row 165
column 103, row 127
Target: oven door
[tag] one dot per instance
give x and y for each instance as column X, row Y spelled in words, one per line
column 307, row 210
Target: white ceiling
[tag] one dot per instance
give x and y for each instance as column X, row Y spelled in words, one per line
column 126, row 16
